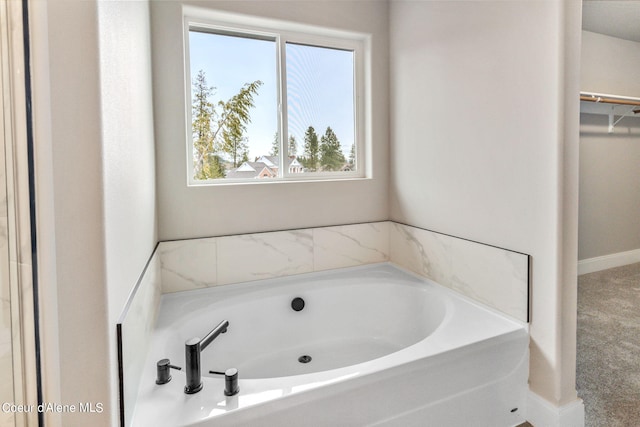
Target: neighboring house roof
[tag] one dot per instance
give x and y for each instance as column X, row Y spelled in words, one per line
column 264, row 166
column 274, row 161
column 249, row 170
column 271, row 161
column 246, row 167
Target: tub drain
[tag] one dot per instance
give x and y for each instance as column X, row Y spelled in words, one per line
column 304, row 359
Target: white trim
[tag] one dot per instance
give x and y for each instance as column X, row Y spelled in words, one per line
column 244, row 21
column 604, row 262
column 540, row 412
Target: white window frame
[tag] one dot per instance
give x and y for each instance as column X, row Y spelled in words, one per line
column 282, row 32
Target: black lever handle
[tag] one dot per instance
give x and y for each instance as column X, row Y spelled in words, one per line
column 164, row 367
column 231, row 386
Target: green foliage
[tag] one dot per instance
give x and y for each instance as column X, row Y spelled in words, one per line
column 233, row 121
column 203, row 114
column 275, row 145
column 212, row 167
column 293, row 146
column 331, row 156
column 235, row 146
column 220, row 130
column 311, row 149
column 352, row 154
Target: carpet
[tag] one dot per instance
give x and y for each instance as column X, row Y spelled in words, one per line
column 608, row 344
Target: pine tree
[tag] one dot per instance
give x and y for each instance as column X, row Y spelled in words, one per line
column 233, row 120
column 236, row 146
column 215, row 133
column 293, row 146
column 311, row 149
column 203, row 115
column 352, row 154
column 331, row 156
column 275, row 145
column 214, row 167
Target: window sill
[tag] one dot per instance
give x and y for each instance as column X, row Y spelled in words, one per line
column 225, row 183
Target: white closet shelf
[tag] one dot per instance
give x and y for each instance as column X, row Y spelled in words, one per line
column 615, row 106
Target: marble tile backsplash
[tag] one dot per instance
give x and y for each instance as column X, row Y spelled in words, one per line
column 493, row 276
column 249, row 257
column 423, row 252
column 199, row 263
column 188, row 264
column 350, row 245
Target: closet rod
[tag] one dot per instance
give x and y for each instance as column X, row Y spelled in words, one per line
column 607, row 100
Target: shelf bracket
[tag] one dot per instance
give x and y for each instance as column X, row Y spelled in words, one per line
column 613, row 122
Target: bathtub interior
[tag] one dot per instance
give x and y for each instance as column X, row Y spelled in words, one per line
column 356, row 344
column 267, row 338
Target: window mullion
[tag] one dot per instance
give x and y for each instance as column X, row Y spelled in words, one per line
column 284, row 119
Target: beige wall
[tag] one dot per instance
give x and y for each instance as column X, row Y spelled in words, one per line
column 479, row 95
column 609, row 186
column 505, row 177
column 79, row 246
column 185, row 212
column 609, row 65
column 95, row 98
column 609, row 163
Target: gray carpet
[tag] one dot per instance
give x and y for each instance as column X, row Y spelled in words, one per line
column 608, row 371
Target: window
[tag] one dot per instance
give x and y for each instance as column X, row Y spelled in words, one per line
column 270, row 104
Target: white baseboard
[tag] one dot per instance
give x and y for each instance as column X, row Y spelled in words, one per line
column 541, row 413
column 608, row 261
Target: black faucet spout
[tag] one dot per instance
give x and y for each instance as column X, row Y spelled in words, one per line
column 192, row 349
column 220, row 329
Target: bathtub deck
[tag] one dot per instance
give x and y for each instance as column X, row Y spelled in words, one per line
column 471, row 370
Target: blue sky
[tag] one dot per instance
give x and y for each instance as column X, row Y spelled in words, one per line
column 319, row 84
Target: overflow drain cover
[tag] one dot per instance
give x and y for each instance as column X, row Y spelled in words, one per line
column 304, row 359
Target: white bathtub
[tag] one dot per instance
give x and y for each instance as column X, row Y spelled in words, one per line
column 386, row 347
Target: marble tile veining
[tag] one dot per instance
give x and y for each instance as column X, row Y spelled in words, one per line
column 350, row 245
column 197, row 263
column 424, row 252
column 493, row 276
column 496, row 277
column 188, row 264
column 264, row 255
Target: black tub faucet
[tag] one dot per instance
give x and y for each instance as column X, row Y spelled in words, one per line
column 192, row 350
